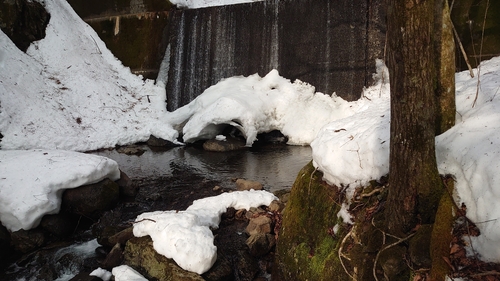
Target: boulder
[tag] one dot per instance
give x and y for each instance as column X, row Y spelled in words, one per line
column 25, row 241
column 260, row 244
column 91, row 200
column 114, row 258
column 159, row 142
column 140, row 254
column 59, row 225
column 276, row 206
column 254, row 212
column 127, row 186
column 131, row 150
column 242, row 184
column 122, row 237
column 259, row 225
column 229, row 144
column 5, row 247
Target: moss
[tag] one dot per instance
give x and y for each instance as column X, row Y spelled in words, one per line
column 140, row 254
column 306, row 249
column 442, row 235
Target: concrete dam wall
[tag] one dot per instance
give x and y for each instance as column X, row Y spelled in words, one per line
column 330, row 44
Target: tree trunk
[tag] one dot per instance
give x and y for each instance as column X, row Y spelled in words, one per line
column 413, row 172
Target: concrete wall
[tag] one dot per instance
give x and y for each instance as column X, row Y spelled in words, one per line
column 329, row 44
column 134, row 30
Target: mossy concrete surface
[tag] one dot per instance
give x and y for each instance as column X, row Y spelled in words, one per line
column 307, row 246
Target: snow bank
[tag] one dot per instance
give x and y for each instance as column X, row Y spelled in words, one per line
column 185, row 236
column 470, row 151
column 256, row 105
column 69, row 92
column 354, row 150
column 32, row 182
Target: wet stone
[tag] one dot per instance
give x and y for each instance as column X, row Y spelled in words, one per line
column 243, row 184
column 261, row 224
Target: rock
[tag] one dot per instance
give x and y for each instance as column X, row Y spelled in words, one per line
column 221, row 270
column 245, row 265
column 109, row 229
column 159, row 142
column 5, row 247
column 126, row 186
column 229, row 144
column 91, row 200
column 283, row 195
column 139, row 253
column 25, row 241
column 122, row 237
column 114, row 258
column 59, row 225
column 242, row 184
column 254, row 212
column 260, row 244
column 131, row 150
column 276, row 206
column 241, row 214
column 261, row 224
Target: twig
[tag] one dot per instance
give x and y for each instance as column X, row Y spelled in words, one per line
column 481, row 52
column 146, row 219
column 369, row 194
column 485, row 274
column 100, row 53
column 341, row 255
column 466, row 58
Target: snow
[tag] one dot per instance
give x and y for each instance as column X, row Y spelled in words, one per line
column 32, row 182
column 126, row 273
column 102, row 273
column 74, row 93
column 470, row 151
column 185, row 236
column 68, row 93
column 256, row 105
column 194, row 4
column 355, row 149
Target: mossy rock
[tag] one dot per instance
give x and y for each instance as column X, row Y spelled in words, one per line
column 307, row 249
column 140, row 254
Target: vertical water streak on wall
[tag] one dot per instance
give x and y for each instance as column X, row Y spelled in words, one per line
column 322, row 42
column 164, row 67
column 175, row 71
column 272, row 11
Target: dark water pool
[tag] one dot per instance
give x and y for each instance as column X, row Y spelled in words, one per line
column 275, row 166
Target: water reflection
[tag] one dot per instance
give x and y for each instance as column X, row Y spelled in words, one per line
column 275, row 166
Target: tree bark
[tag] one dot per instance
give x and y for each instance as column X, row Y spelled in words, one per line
column 413, row 172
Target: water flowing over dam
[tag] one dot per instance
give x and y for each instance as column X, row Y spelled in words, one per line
column 329, row 44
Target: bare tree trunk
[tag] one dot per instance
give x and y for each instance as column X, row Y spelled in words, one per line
column 413, row 172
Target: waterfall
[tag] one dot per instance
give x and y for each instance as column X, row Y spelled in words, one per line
column 322, row 42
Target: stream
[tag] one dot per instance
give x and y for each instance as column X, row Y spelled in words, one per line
column 167, row 179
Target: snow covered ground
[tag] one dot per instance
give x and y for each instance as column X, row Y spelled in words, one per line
column 69, row 93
